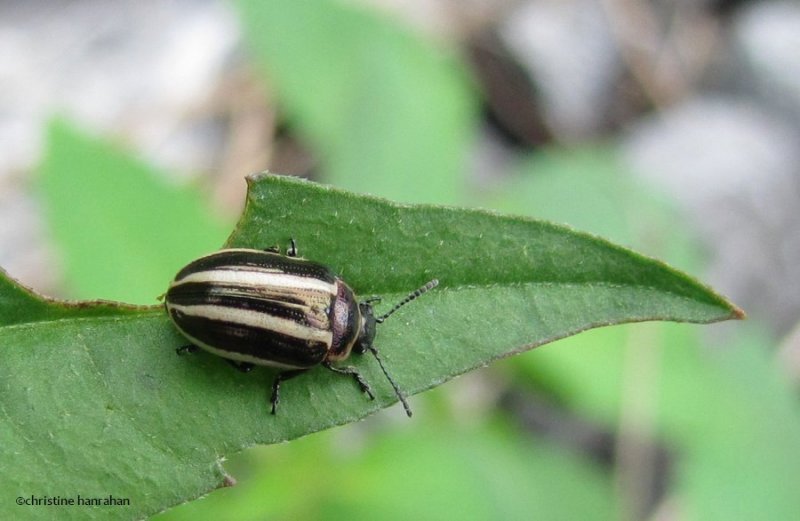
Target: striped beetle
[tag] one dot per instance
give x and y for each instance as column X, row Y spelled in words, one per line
column 259, row 307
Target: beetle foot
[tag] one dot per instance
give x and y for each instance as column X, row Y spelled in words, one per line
column 244, row 367
column 351, row 371
column 276, row 385
column 191, row 348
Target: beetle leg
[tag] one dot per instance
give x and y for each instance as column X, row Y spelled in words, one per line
column 272, row 249
column 292, row 252
column 191, row 348
column 244, row 367
column 276, row 385
column 370, row 300
column 355, row 374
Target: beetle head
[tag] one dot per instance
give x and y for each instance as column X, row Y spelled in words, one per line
column 367, row 333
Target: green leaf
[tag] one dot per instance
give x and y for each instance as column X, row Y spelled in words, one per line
column 385, row 111
column 102, row 405
column 20, row 305
column 121, row 228
column 728, row 417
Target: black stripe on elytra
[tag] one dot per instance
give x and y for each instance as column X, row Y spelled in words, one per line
column 237, row 259
column 239, row 297
column 252, row 341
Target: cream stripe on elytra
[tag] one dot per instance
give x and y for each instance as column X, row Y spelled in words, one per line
column 269, row 294
column 256, row 319
column 258, row 279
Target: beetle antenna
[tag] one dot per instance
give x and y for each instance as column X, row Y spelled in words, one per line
column 411, row 296
column 394, row 385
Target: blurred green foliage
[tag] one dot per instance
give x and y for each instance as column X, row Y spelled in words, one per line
column 393, row 116
column 727, row 413
column 387, row 113
column 119, row 225
column 433, row 470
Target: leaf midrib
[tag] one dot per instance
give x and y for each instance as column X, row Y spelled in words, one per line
column 154, row 310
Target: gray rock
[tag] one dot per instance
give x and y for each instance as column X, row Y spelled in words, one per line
column 571, row 57
column 767, row 43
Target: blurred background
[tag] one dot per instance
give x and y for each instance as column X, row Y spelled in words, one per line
column 670, row 126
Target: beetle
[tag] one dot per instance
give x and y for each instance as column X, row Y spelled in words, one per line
column 261, row 307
